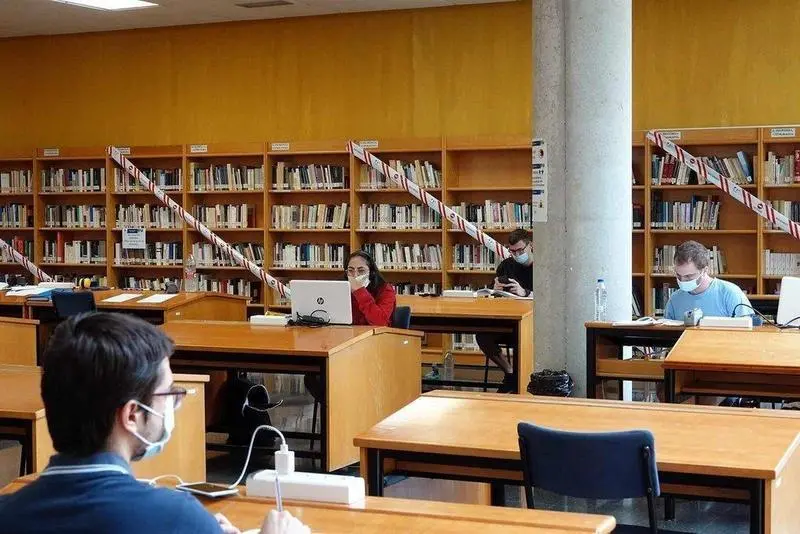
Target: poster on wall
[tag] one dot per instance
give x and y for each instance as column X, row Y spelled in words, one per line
column 539, row 181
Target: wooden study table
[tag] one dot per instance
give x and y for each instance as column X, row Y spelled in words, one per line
column 22, row 418
column 366, row 373
column 379, row 515
column 23, row 335
column 762, row 363
column 475, row 315
column 702, row 451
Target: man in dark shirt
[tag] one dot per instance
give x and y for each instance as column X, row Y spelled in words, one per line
column 515, row 275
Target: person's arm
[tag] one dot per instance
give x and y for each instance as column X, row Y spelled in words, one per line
column 669, row 312
column 378, row 311
column 735, row 297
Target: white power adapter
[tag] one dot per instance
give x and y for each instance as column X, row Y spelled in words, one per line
column 314, row 487
column 269, row 320
column 745, row 322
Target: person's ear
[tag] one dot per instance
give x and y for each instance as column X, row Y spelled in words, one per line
column 129, row 416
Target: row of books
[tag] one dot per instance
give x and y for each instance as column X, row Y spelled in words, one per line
column 309, row 256
column 87, row 251
column 147, row 216
column 231, row 286
column 148, row 284
column 394, row 216
column 661, row 296
column 154, row 253
column 306, row 177
column 664, row 260
column 789, row 209
column 399, row 256
column 473, row 257
column 407, row 288
column 638, row 216
column 74, row 216
column 16, row 216
column 69, row 180
column 465, row 343
column 96, row 279
column 493, row 214
column 423, row 173
column 666, row 170
column 780, row 170
column 226, row 215
column 207, row 255
column 16, row 181
column 227, row 177
column 166, row 180
column 311, row 216
column 781, row 263
column 700, row 213
column 21, row 245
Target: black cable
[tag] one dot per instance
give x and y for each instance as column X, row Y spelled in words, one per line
column 310, row 320
column 764, row 317
column 789, row 324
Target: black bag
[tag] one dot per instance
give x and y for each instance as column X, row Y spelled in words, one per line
column 247, row 408
column 551, row 383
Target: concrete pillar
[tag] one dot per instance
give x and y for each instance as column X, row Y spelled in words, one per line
column 591, row 185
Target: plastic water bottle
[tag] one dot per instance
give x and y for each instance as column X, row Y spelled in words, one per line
column 600, row 300
column 190, row 275
column 448, row 367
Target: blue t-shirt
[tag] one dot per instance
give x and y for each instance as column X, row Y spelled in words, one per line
column 718, row 300
column 101, row 502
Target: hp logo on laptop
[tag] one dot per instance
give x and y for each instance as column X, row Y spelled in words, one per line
column 320, row 300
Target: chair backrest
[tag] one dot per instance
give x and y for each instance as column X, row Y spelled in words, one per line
column 69, row 303
column 402, row 317
column 598, row 465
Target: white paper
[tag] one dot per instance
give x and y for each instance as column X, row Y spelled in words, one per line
column 123, row 297
column 134, row 239
column 28, row 291
column 156, row 299
column 539, row 180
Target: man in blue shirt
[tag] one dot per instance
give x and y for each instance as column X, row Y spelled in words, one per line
column 698, row 289
column 109, row 398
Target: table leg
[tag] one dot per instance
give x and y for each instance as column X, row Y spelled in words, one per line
column 757, row 507
column 591, row 365
column 498, row 493
column 669, row 508
column 374, row 473
column 669, row 385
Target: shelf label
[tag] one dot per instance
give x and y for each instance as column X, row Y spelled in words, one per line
column 782, row 132
column 51, row 152
column 125, row 150
column 134, row 239
column 674, row 135
column 369, row 143
column 539, row 180
column 198, row 149
column 279, row 147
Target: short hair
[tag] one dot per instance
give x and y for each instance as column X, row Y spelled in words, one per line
column 691, row 251
column 520, row 234
column 95, row 363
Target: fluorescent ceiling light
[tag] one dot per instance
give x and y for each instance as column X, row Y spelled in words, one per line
column 109, row 5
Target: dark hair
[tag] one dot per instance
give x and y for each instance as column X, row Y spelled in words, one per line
column 376, row 281
column 520, row 234
column 95, row 363
column 691, row 251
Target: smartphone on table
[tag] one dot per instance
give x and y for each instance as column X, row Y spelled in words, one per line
column 207, row 489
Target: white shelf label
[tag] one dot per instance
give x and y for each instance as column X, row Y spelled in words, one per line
column 198, row 149
column 672, row 136
column 782, row 132
column 369, row 143
column 279, row 147
column 134, row 239
column 539, row 180
column 125, row 150
column 51, row 152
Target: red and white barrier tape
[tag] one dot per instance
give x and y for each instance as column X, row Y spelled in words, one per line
column 25, row 262
column 712, row 176
column 432, row 202
column 257, row 271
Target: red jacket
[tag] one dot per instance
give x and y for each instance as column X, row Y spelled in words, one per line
column 375, row 311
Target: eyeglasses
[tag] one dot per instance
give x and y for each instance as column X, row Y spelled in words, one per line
column 688, row 277
column 177, row 393
column 361, row 271
column 518, row 251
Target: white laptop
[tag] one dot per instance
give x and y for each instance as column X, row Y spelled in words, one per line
column 789, row 303
column 328, row 300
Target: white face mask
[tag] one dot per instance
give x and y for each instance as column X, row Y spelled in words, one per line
column 363, row 279
column 155, row 447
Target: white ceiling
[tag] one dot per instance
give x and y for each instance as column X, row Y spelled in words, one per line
column 45, row 17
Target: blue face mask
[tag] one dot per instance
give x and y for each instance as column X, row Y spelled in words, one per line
column 155, row 447
column 522, row 258
column 690, row 285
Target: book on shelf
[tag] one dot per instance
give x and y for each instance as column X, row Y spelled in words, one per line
column 16, row 181
column 73, row 180
column 474, row 257
column 226, row 215
column 147, row 216
column 789, row 209
column 308, row 177
column 782, row 170
column 781, row 263
column 398, row 217
column 148, row 284
column 97, row 280
column 661, row 296
column 664, row 260
column 76, row 251
column 309, row 255
column 700, row 213
column 311, row 216
column 227, row 177
column 633, row 175
column 21, row 245
column 207, row 255
column 230, row 286
column 496, row 215
column 166, row 179
column 465, row 343
column 667, row 170
column 407, row 288
column 399, row 256
column 638, row 216
column 154, row 253
column 15, row 215
column 423, row 173
column 74, row 216
column 637, row 303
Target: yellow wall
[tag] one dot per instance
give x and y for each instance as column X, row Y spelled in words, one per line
column 432, row 72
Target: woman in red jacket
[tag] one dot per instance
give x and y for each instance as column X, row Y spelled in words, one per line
column 372, row 299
